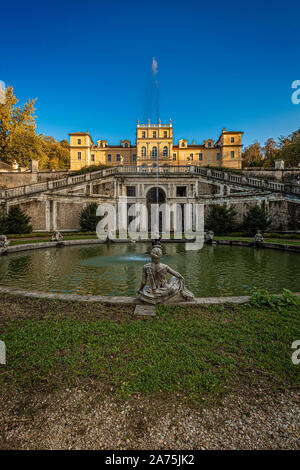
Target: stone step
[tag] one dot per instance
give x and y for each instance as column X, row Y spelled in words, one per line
column 145, row 310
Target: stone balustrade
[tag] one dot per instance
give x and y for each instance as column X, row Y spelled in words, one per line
column 209, row 173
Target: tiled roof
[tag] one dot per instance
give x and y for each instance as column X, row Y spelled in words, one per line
column 79, row 133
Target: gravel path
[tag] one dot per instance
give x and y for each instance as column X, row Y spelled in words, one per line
column 79, row 418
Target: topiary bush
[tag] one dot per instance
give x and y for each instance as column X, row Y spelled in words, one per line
column 16, row 221
column 221, row 219
column 88, row 219
column 257, row 218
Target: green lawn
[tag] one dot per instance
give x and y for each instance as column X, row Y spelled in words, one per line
column 22, row 241
column 195, row 353
column 267, row 240
column 48, row 239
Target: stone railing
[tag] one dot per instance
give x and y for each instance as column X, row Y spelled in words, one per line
column 208, row 173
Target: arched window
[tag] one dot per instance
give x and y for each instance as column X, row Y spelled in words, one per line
column 154, row 152
column 165, row 151
column 143, row 151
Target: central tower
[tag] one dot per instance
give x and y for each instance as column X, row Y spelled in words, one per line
column 154, row 143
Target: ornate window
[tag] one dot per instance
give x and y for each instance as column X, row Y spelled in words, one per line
column 109, row 158
column 232, row 153
column 118, row 158
column 143, row 151
column 154, row 152
column 165, row 151
column 79, row 155
column 78, row 141
column 200, row 156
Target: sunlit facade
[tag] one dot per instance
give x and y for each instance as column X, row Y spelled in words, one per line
column 155, row 146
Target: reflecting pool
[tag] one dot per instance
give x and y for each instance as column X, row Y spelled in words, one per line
column 116, row 269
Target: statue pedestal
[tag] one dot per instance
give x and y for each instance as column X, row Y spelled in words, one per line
column 145, row 311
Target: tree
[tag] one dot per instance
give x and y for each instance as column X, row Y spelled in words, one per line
column 25, row 146
column 15, row 123
column 252, row 155
column 271, row 152
column 220, row 219
column 18, row 139
column 17, row 221
column 88, row 219
column 256, row 219
column 58, row 153
column 289, row 148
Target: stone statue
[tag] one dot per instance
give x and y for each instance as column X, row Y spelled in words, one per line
column 209, row 236
column 258, row 238
column 57, row 236
column 159, row 291
column 3, row 241
column 156, row 240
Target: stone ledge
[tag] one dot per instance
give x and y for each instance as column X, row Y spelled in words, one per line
column 274, row 246
column 107, row 299
column 92, row 241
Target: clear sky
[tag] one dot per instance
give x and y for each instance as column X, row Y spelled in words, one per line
column 220, row 64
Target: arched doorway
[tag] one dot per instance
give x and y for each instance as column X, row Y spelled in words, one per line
column 155, row 196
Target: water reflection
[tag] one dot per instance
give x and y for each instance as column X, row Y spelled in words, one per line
column 116, row 269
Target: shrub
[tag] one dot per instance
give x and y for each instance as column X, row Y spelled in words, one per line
column 88, row 219
column 3, row 226
column 16, row 221
column 262, row 298
column 220, row 219
column 89, row 169
column 256, row 219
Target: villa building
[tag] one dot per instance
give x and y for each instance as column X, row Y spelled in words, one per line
column 154, row 145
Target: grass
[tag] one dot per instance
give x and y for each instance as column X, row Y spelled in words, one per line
column 48, row 239
column 197, row 353
column 267, row 240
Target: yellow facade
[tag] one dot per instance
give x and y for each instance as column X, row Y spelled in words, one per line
column 154, row 145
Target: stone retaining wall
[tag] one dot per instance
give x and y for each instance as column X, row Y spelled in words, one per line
column 33, row 246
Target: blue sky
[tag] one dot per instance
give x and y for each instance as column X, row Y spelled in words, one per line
column 221, row 64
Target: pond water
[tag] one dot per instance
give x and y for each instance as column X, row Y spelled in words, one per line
column 116, row 269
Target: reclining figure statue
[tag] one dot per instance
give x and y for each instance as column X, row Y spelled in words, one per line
column 57, row 236
column 159, row 291
column 3, row 241
column 258, row 238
